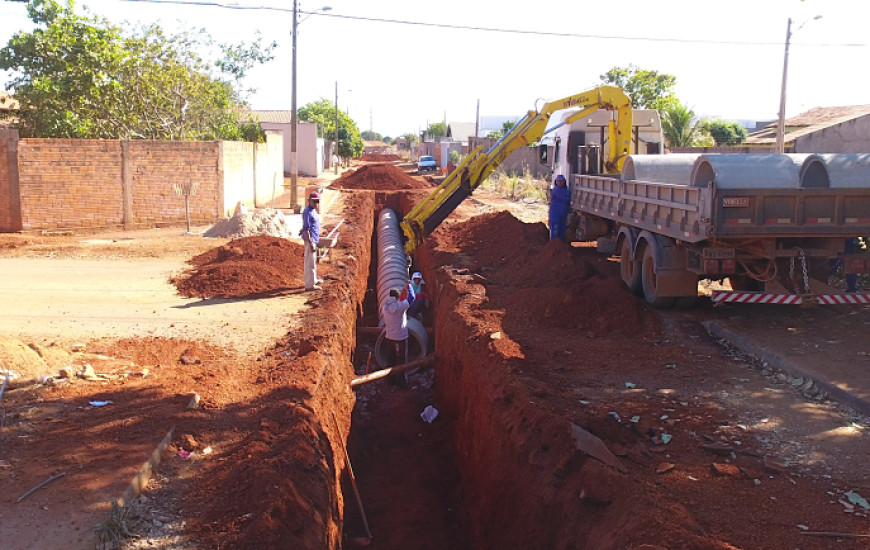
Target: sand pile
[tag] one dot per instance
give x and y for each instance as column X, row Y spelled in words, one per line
column 263, row 221
column 246, row 267
column 379, row 177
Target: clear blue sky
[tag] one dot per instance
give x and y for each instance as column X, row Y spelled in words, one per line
column 398, row 77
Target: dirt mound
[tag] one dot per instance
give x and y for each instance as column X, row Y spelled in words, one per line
column 378, row 177
column 244, row 267
column 264, row 221
column 551, row 283
column 379, row 157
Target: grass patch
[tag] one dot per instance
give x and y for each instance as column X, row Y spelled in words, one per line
column 516, row 187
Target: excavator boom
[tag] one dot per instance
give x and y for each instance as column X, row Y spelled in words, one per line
column 424, row 218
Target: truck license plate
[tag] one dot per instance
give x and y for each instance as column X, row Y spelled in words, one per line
column 717, row 253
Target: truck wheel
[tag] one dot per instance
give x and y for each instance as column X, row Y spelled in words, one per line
column 650, row 282
column 629, row 269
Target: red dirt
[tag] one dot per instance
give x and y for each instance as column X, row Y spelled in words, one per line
column 379, row 157
column 378, row 177
column 246, row 267
column 533, row 335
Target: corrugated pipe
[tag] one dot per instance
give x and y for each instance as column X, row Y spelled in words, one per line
column 392, row 273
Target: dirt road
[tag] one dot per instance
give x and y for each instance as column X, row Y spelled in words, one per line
column 71, row 300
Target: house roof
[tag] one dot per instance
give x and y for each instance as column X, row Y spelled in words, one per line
column 808, row 122
column 375, row 144
column 274, row 117
column 460, row 131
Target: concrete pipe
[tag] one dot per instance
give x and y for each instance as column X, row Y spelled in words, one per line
column 392, row 273
column 675, row 169
column 812, row 172
column 746, row 171
column 848, row 170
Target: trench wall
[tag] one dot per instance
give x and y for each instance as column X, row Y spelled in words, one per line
column 522, row 478
column 49, row 184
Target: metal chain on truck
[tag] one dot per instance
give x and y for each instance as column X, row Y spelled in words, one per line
column 806, row 277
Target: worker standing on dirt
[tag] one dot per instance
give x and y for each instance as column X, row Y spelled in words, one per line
column 310, row 233
column 394, row 313
column 560, row 201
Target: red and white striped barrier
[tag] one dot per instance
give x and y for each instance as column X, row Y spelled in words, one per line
column 726, row 297
column 836, row 299
column 722, row 296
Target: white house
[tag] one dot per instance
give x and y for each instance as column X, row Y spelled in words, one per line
column 309, row 147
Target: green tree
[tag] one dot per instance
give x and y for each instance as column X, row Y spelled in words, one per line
column 82, row 77
column 647, row 89
column 505, row 128
column 726, row 133
column 371, row 136
column 322, row 112
column 679, row 129
column 437, row 130
column 410, row 140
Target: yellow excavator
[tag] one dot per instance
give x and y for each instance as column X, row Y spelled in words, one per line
column 477, row 166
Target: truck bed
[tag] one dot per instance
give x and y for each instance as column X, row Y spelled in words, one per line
column 694, row 214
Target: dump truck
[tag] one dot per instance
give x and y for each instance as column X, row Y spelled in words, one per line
column 773, row 225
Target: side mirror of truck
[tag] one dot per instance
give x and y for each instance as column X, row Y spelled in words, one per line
column 542, row 153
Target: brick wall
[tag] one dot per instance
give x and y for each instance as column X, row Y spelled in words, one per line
column 157, row 166
column 6, row 140
column 69, row 183
column 48, row 184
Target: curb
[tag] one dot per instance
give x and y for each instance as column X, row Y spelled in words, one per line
column 776, row 361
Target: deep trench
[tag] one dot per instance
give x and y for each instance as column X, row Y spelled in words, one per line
column 405, row 468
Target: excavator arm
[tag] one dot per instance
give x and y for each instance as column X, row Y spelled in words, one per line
column 424, row 218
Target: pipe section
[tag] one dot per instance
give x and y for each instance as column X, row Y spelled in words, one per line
column 746, row 171
column 674, row 169
column 848, row 170
column 392, row 273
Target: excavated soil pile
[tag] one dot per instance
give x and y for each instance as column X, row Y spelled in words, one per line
column 377, row 157
column 244, row 267
column 552, row 284
column 263, row 221
column 540, row 344
column 378, row 177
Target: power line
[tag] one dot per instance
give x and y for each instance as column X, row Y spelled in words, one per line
column 493, row 29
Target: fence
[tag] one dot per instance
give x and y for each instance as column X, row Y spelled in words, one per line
column 49, row 184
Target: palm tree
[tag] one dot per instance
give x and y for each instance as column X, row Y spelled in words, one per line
column 678, row 129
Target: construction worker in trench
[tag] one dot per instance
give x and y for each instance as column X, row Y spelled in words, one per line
column 394, row 312
column 560, row 201
column 310, row 234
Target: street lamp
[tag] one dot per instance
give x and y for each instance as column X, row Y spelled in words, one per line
column 780, row 127
column 294, row 121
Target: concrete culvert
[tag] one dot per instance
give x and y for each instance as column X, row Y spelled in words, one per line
column 392, row 273
column 675, row 169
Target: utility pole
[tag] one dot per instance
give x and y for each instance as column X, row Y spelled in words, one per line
column 335, row 160
column 294, row 122
column 477, row 120
column 780, row 126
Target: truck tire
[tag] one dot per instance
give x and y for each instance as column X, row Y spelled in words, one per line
column 629, row 269
column 649, row 280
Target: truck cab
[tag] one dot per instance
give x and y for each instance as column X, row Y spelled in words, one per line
column 576, row 148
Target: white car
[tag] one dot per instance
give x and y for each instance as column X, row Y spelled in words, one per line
column 426, row 162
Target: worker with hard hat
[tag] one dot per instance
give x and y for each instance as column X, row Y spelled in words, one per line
column 311, row 236
column 560, row 201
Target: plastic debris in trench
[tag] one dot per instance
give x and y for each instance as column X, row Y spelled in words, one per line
column 99, row 403
column 429, row 414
